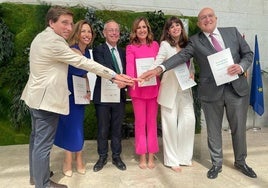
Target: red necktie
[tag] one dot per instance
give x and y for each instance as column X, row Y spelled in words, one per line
column 215, row 43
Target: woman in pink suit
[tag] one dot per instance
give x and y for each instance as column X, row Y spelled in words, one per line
column 144, row 99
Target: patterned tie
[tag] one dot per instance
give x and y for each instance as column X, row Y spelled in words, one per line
column 215, row 43
column 115, row 65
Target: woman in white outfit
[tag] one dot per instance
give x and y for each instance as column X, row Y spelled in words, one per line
column 177, row 113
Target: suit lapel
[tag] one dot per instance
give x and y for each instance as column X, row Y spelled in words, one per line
column 109, row 55
column 226, row 39
column 205, row 42
column 123, row 59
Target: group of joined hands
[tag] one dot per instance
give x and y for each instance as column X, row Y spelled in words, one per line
column 123, row 80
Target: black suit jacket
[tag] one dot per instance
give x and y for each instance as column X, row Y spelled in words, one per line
column 102, row 55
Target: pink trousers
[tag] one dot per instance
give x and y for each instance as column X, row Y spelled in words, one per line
column 145, row 111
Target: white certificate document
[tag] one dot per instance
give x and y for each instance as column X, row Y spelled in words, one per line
column 91, row 77
column 142, row 65
column 219, row 62
column 183, row 76
column 80, row 90
column 110, row 92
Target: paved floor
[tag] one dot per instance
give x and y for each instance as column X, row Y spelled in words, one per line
column 14, row 167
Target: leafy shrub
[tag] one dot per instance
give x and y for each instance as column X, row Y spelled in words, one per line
column 157, row 21
column 6, row 43
column 15, row 40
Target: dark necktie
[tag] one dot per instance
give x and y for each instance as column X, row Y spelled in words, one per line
column 115, row 65
column 215, row 43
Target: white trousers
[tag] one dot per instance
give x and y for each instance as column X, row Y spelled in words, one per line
column 178, row 129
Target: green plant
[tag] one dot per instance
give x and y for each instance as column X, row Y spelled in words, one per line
column 4, row 103
column 6, row 52
column 9, row 136
column 6, row 43
column 30, row 20
column 15, row 74
column 197, row 103
column 90, row 123
column 157, row 20
column 98, row 25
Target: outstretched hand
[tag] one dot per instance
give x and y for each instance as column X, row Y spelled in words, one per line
column 150, row 73
column 123, row 80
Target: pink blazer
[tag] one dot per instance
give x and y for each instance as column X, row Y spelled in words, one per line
column 134, row 52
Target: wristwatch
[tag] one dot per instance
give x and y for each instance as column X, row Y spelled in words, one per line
column 113, row 77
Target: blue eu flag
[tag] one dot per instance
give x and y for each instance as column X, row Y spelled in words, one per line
column 256, row 94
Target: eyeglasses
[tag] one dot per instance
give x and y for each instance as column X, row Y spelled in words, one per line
column 203, row 17
column 113, row 30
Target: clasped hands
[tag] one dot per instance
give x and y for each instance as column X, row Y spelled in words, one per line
column 123, row 80
column 232, row 70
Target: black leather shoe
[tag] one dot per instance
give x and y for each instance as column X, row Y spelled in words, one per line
column 100, row 164
column 245, row 169
column 119, row 163
column 56, row 185
column 213, row 172
column 32, row 179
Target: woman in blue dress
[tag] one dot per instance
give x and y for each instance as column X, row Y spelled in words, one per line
column 70, row 131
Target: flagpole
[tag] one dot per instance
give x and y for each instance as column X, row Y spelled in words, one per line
column 254, row 128
column 256, row 92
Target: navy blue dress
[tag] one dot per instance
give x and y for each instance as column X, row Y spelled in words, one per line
column 70, row 131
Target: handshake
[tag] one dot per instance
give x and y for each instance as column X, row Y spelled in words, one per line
column 123, row 80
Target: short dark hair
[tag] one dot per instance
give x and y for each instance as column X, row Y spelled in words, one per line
column 55, row 12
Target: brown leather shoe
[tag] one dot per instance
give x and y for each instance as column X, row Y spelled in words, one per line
column 56, row 185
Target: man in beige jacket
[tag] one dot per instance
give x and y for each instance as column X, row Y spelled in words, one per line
column 46, row 92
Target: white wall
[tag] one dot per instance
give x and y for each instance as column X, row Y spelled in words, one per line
column 249, row 16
